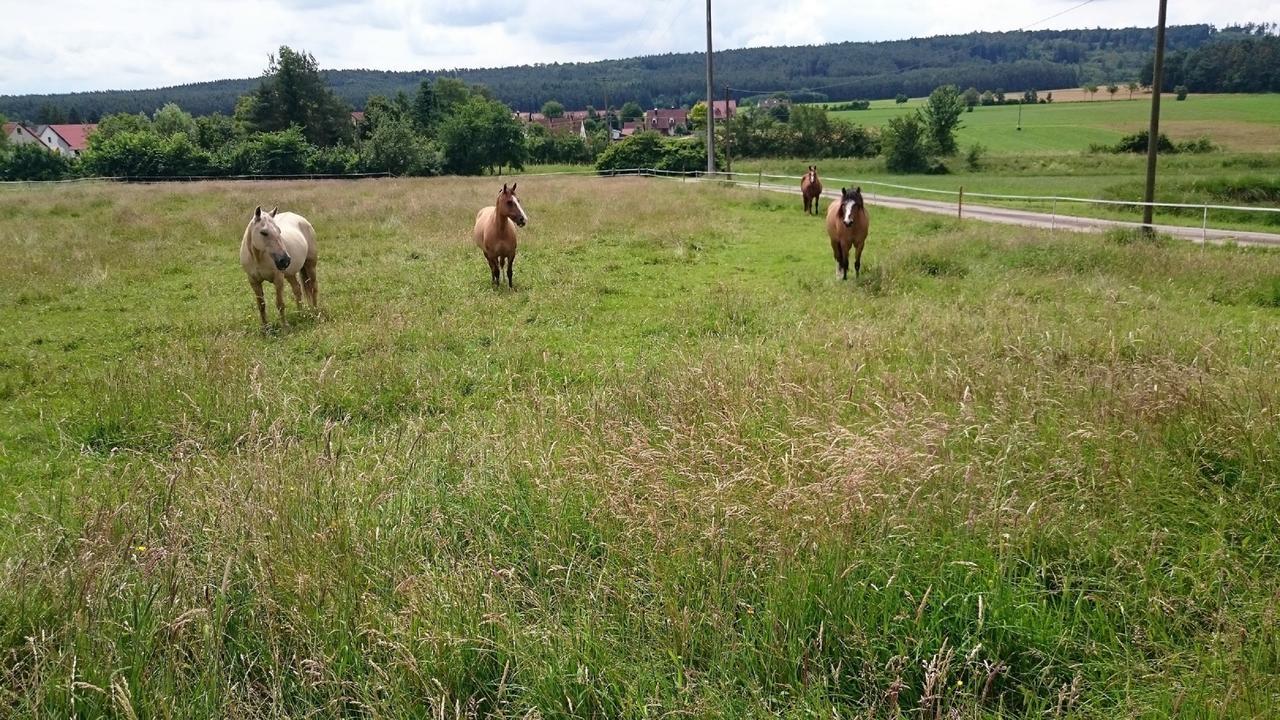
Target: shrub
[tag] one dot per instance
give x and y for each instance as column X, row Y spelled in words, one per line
column 335, row 160
column 1137, row 143
column 146, row 154
column 1180, row 92
column 33, row 162
column 285, row 152
column 642, row 150
column 395, row 148
column 905, row 145
column 973, row 157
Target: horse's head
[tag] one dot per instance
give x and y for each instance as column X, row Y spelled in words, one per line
column 509, row 205
column 813, row 173
column 850, row 200
column 264, row 237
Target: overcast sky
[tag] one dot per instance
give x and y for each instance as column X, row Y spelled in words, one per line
column 78, row 45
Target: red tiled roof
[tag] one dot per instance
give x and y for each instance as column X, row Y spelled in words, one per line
column 76, row 136
column 357, row 116
column 8, row 127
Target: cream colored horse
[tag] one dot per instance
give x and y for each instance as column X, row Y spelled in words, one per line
column 495, row 232
column 279, row 248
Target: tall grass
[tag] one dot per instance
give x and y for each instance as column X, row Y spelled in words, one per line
column 679, row 470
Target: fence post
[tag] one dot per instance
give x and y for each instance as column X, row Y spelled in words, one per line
column 760, row 179
column 1204, row 228
column 960, row 204
column 1053, row 216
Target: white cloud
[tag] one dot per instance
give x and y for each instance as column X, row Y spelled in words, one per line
column 92, row 45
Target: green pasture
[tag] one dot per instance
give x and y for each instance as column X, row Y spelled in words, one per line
column 679, row 471
column 1241, row 123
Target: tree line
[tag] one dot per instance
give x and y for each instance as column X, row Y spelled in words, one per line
column 844, row 71
column 1247, row 61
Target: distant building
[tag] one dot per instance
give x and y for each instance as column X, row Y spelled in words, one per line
column 725, row 108
column 772, row 102
column 69, row 140
column 20, row 134
column 665, row 121
column 357, row 117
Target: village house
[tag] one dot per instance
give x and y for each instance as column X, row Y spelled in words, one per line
column 19, row 134
column 724, row 108
column 665, row 121
column 69, row 140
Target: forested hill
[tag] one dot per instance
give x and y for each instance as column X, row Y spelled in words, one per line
column 1012, row 61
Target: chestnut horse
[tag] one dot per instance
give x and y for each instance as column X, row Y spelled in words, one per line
column 811, row 189
column 495, row 232
column 279, row 248
column 847, row 225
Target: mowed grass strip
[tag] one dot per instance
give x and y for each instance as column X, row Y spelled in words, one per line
column 679, row 469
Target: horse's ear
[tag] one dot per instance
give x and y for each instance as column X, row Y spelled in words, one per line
column 844, row 192
column 504, row 189
column 274, row 210
column 858, row 190
column 257, row 213
column 513, row 188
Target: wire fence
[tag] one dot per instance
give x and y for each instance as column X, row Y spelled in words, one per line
column 758, row 180
column 955, row 199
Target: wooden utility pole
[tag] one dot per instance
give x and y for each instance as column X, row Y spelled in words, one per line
column 608, row 123
column 711, row 105
column 1153, row 133
column 728, row 144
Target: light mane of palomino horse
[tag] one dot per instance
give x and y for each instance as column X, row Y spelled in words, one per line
column 495, row 232
column 811, row 189
column 278, row 248
column 847, row 226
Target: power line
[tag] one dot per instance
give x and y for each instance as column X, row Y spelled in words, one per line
column 1057, row 15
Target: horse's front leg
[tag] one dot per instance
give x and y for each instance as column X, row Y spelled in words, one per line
column 279, row 282
column 262, row 303
column 511, row 260
column 495, row 270
column 297, row 289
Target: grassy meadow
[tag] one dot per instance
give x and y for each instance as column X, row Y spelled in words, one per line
column 1050, row 157
column 679, row 470
column 1237, row 122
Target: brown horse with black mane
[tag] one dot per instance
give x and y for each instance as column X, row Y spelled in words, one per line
column 811, row 189
column 847, row 225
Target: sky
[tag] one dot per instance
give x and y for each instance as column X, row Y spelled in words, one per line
column 130, row 44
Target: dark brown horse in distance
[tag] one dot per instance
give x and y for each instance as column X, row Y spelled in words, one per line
column 811, row 189
column 847, row 225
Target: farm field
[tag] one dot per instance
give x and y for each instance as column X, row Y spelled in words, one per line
column 1231, row 179
column 1237, row 123
column 680, row 469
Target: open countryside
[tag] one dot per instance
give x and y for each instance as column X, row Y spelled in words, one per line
column 666, row 462
column 1236, row 123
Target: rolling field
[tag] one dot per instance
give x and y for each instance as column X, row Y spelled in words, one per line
column 679, row 470
column 1230, row 179
column 1237, row 123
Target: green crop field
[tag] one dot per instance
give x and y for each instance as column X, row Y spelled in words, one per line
column 1241, row 123
column 680, row 470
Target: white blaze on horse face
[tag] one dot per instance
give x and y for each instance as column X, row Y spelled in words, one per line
column 848, row 212
column 520, row 208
